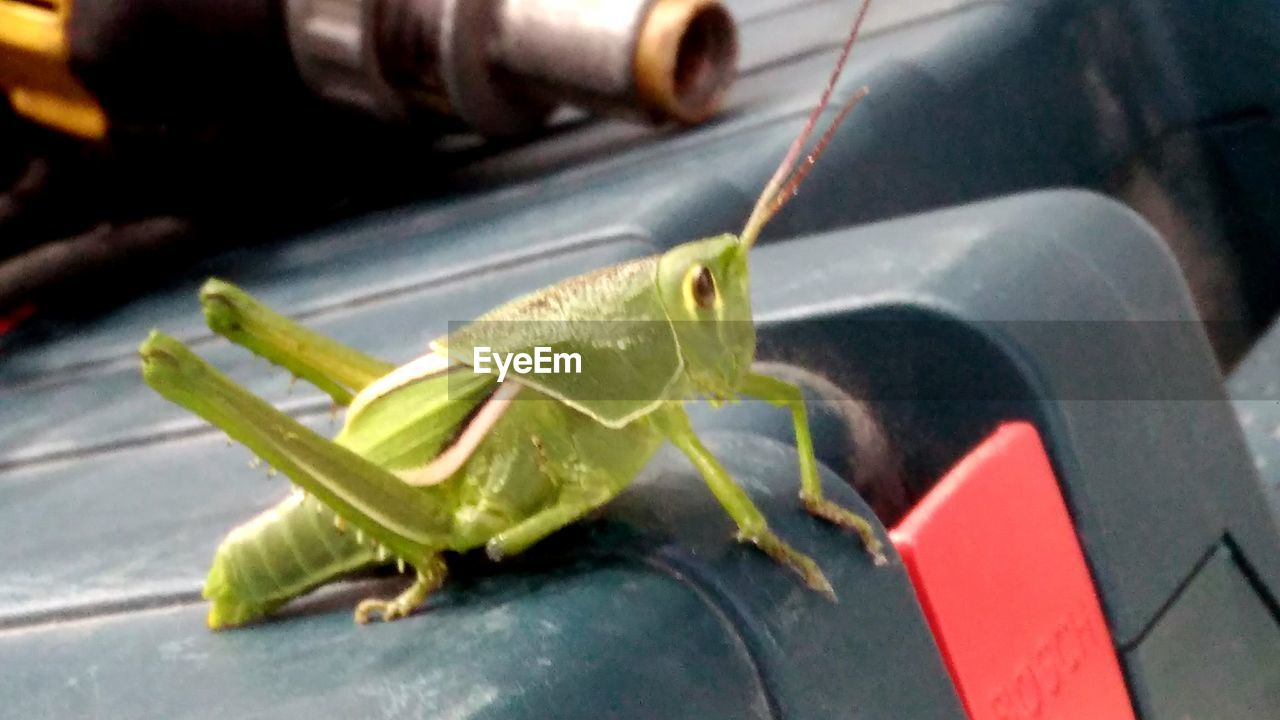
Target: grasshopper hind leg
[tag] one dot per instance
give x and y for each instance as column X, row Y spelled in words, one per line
column 389, row 517
column 431, row 575
column 340, row 371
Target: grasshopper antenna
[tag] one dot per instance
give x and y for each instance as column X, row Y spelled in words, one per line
column 787, row 178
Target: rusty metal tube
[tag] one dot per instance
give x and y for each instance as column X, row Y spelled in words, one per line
column 666, row 59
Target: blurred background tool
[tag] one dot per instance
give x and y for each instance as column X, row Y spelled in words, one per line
column 88, row 67
column 144, row 134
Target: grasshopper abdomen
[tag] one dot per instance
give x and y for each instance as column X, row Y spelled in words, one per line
column 282, row 553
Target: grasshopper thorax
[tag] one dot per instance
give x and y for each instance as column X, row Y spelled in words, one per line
column 704, row 287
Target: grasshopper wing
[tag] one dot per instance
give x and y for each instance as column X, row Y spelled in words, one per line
column 612, row 319
column 405, row 418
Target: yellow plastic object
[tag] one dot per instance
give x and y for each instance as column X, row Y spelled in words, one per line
column 35, row 70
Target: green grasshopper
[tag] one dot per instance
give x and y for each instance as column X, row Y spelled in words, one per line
column 435, row 456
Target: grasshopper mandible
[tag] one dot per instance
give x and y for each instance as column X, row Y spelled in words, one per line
column 437, row 457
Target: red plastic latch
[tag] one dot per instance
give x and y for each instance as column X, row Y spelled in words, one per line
column 996, row 564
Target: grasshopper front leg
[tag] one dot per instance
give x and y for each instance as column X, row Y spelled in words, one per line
column 673, row 421
column 785, row 394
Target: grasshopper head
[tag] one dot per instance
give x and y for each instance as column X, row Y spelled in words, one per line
column 704, row 284
column 704, row 289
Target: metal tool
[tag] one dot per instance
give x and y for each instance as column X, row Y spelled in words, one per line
column 500, row 66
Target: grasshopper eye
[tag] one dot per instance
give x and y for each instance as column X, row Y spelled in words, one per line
column 701, row 287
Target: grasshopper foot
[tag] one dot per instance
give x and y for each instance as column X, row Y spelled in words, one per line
column 386, row 610
column 836, row 515
column 798, row 562
column 429, row 580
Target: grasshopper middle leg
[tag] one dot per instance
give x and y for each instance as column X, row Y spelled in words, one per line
column 752, row 526
column 528, row 532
